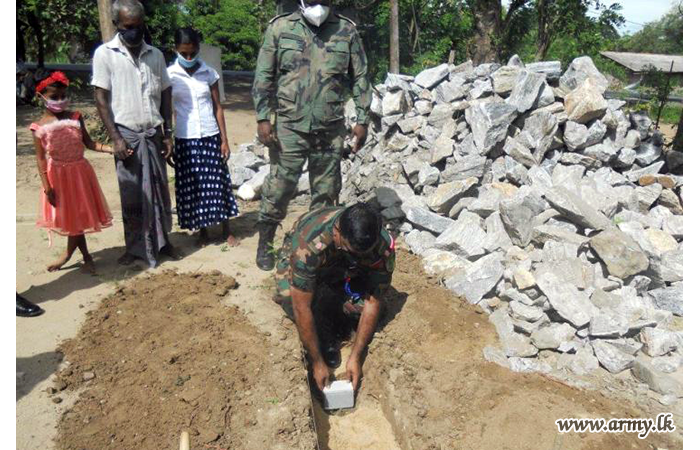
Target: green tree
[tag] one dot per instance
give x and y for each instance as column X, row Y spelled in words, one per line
column 236, row 26
column 663, row 36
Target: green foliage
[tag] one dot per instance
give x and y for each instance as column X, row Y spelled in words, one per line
column 663, row 36
column 671, row 113
column 236, row 26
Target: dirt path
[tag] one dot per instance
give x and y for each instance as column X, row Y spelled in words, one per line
column 426, row 384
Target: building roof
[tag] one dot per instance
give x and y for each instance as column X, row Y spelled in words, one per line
column 638, row 62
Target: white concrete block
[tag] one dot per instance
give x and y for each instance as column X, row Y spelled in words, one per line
column 339, row 395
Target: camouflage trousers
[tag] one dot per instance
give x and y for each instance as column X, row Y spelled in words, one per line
column 323, row 149
column 329, row 301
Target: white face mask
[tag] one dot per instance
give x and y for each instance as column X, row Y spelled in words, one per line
column 316, row 14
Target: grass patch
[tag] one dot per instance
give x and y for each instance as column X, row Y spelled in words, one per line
column 671, row 113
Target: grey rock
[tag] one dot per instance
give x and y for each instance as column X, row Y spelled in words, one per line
column 552, row 69
column 412, row 167
column 411, row 124
column 634, row 175
column 670, row 266
column 389, row 121
column 517, row 215
column 428, row 220
column 526, row 90
column 393, row 213
column 495, row 355
column 515, row 61
column 420, row 241
column 596, row 133
column 647, row 195
column 440, row 114
column 580, row 70
column 462, row 205
column 464, row 237
column 543, row 233
column 546, row 98
column 583, row 362
column 667, row 364
column 581, row 160
column 486, row 69
column 642, row 123
column 625, row 158
column 395, row 82
column 394, row 103
column 496, row 236
column 472, row 165
column 478, row 279
column 576, row 209
column 389, row 196
column 608, row 324
column 513, row 344
column 552, row 336
column 520, row 311
column 633, row 139
column 669, row 298
column 449, row 91
column 489, row 123
column 423, row 107
column 245, row 159
column 675, row 161
column 447, row 194
column 570, row 303
column 398, row 142
column 428, row 176
column 430, row 78
column 659, row 382
column 376, row 104
column 585, row 103
column 504, row 79
column 575, row 135
column 610, row 357
column 671, row 201
column 519, row 152
column 659, row 342
column 443, row 148
column 622, row 256
column 516, row 173
column 603, row 152
column 647, row 153
column 481, row 88
column 250, row 190
column 437, row 261
column 487, row 201
column 528, row 365
column 240, row 175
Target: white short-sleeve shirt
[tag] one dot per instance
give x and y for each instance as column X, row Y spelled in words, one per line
column 135, row 86
column 192, row 101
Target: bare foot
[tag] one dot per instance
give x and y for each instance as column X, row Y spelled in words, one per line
column 126, row 259
column 89, row 266
column 171, row 252
column 232, row 241
column 60, row 262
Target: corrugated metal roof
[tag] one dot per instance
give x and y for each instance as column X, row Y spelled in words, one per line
column 638, row 62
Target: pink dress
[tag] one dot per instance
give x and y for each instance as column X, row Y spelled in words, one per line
column 81, row 206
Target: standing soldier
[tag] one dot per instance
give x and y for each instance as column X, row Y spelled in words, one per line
column 307, row 62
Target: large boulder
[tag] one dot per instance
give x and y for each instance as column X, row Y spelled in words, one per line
column 585, row 103
column 489, row 122
column 580, row 70
column 526, row 90
column 430, row 78
column 478, row 279
column 622, row 256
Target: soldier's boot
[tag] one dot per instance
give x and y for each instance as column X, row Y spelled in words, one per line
column 265, row 258
column 329, row 342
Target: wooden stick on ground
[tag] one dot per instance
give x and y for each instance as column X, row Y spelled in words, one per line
column 185, row 441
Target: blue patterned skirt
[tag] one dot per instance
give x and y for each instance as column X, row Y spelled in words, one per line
column 202, row 183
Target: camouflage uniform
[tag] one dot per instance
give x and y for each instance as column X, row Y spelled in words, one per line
column 309, row 261
column 306, row 71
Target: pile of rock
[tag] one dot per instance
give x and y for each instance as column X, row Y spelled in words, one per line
column 533, row 196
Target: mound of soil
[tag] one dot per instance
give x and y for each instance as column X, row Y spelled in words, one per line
column 163, row 355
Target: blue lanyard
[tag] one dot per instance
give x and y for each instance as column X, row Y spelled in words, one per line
column 354, row 296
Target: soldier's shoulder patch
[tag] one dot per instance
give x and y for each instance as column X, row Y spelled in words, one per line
column 346, row 18
column 278, row 16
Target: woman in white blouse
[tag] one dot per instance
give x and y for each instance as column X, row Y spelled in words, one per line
column 202, row 181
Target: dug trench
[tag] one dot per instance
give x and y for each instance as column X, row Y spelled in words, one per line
column 165, row 354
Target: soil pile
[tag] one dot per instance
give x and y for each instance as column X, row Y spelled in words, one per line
column 163, row 355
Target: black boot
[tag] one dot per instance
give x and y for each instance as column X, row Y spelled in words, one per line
column 329, row 342
column 25, row 308
column 265, row 258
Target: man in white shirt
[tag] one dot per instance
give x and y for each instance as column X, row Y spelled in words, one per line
column 133, row 95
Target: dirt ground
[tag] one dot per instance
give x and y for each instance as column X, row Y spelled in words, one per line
column 180, row 348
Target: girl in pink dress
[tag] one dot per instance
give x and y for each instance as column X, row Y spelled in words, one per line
column 72, row 203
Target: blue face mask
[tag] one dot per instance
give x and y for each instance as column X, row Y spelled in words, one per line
column 187, row 63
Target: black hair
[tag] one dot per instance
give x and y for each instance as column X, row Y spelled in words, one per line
column 187, row 35
column 40, row 75
column 360, row 224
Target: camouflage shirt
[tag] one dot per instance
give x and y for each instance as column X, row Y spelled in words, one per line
column 308, row 71
column 311, row 250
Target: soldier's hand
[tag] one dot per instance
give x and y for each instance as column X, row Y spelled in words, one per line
column 321, row 375
column 353, row 370
column 359, row 132
column 265, row 133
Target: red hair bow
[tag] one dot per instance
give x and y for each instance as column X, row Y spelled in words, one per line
column 55, row 77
